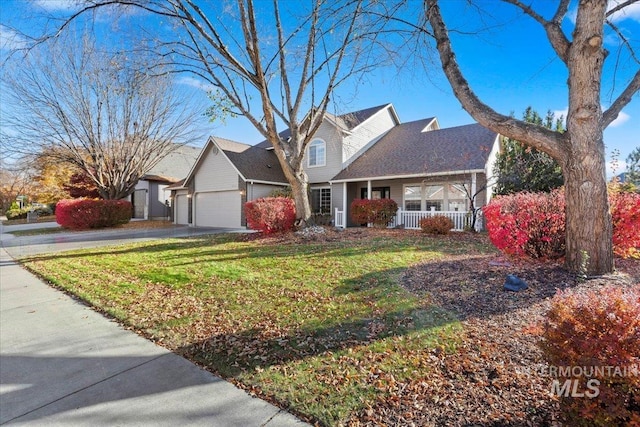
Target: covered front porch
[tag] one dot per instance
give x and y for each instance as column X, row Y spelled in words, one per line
column 418, row 197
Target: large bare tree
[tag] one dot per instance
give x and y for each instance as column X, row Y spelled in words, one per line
column 580, row 149
column 106, row 113
column 271, row 62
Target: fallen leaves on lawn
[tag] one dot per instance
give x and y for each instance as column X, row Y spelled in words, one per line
column 492, row 379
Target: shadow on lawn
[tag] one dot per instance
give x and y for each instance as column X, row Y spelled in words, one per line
column 235, row 353
column 473, row 287
column 452, row 290
column 206, row 248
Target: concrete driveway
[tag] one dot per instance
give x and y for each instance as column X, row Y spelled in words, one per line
column 23, row 246
column 62, row 363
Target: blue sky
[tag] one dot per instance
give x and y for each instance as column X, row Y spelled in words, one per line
column 504, row 55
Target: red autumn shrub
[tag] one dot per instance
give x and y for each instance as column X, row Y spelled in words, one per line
column 533, row 224
column 597, row 332
column 527, row 224
column 438, row 224
column 80, row 214
column 625, row 215
column 271, row 214
column 379, row 212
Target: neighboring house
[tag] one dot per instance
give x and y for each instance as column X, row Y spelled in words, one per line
column 150, row 198
column 364, row 154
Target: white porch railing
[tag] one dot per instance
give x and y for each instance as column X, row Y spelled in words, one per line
column 411, row 219
column 339, row 219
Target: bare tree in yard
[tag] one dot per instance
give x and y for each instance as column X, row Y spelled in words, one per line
column 580, row 149
column 285, row 57
column 101, row 112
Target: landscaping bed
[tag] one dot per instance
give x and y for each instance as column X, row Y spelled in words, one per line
column 356, row 327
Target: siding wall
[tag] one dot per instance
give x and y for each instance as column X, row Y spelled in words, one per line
column 256, row 191
column 366, row 135
column 336, row 197
column 333, row 139
column 215, row 173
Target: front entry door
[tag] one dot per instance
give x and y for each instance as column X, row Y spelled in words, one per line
column 376, row 193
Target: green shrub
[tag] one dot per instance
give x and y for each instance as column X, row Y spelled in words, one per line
column 16, row 213
column 590, row 330
column 438, row 224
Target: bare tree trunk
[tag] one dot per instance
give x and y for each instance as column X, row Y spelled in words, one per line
column 588, row 221
column 299, row 189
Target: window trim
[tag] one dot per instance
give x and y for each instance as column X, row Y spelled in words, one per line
column 317, row 142
column 404, row 193
column 320, row 189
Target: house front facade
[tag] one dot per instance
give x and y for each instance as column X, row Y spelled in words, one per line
column 151, row 196
column 363, row 154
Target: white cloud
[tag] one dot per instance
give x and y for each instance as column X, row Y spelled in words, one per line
column 198, row 84
column 11, row 40
column 631, row 11
column 563, row 113
column 622, row 118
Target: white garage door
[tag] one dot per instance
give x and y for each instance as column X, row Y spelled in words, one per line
column 218, row 209
column 182, row 209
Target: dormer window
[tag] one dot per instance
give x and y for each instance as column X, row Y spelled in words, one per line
column 317, row 153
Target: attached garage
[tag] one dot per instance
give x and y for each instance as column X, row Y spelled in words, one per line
column 218, row 209
column 182, row 209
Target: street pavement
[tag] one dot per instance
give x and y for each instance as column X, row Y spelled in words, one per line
column 62, row 363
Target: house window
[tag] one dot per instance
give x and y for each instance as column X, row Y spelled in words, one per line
column 376, row 193
column 321, row 200
column 457, row 197
column 434, row 197
column 412, row 198
column 317, row 153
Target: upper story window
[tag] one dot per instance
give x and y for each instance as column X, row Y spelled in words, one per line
column 317, row 153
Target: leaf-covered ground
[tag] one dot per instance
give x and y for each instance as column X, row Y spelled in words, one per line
column 362, row 327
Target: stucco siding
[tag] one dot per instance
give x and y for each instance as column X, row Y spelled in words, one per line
column 215, row 173
column 366, row 134
column 333, row 164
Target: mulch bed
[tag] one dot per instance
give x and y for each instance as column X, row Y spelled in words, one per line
column 493, row 378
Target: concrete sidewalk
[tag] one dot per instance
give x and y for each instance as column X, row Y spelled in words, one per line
column 61, row 363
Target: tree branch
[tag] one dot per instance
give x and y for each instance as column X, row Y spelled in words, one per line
column 623, row 99
column 534, row 135
column 553, row 28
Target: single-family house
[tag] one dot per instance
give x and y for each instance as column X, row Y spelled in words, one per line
column 363, row 154
column 150, row 197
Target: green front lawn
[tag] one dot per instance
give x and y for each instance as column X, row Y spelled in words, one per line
column 323, row 328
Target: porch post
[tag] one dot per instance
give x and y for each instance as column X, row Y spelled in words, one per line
column 473, row 187
column 344, row 200
column 369, row 189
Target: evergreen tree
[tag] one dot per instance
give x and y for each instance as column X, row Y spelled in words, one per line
column 522, row 168
column 632, row 175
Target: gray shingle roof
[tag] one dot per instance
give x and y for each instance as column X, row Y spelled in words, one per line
column 346, row 121
column 229, row 145
column 257, row 164
column 174, row 166
column 406, row 150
